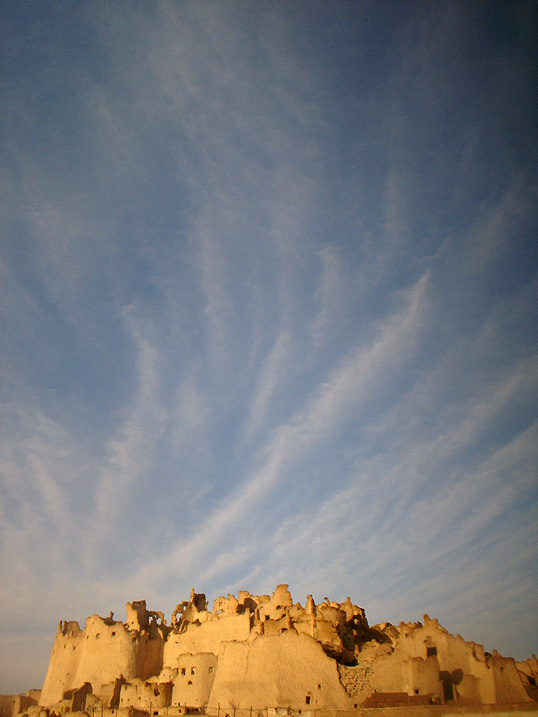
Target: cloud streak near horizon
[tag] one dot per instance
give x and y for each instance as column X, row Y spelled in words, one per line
column 269, row 293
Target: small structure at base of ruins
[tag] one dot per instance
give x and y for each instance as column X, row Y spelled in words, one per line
column 263, row 653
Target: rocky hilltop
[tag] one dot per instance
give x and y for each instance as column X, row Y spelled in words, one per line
column 260, row 652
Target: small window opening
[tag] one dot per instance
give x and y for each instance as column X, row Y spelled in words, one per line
column 192, row 670
column 182, row 670
column 189, row 682
column 113, row 634
column 210, row 669
column 307, row 700
column 97, row 636
column 448, row 690
column 319, row 687
column 431, row 651
column 416, row 692
column 156, row 692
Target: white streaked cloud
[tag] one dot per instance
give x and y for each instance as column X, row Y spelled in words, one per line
column 275, row 368
column 332, row 405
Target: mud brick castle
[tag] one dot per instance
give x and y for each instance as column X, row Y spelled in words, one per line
column 264, row 652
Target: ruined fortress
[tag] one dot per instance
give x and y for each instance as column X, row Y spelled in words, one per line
column 261, row 653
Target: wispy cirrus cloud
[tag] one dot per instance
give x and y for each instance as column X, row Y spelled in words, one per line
column 333, row 403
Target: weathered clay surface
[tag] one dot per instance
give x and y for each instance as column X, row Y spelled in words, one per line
column 265, row 652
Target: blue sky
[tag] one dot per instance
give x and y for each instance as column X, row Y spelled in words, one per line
column 269, row 297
